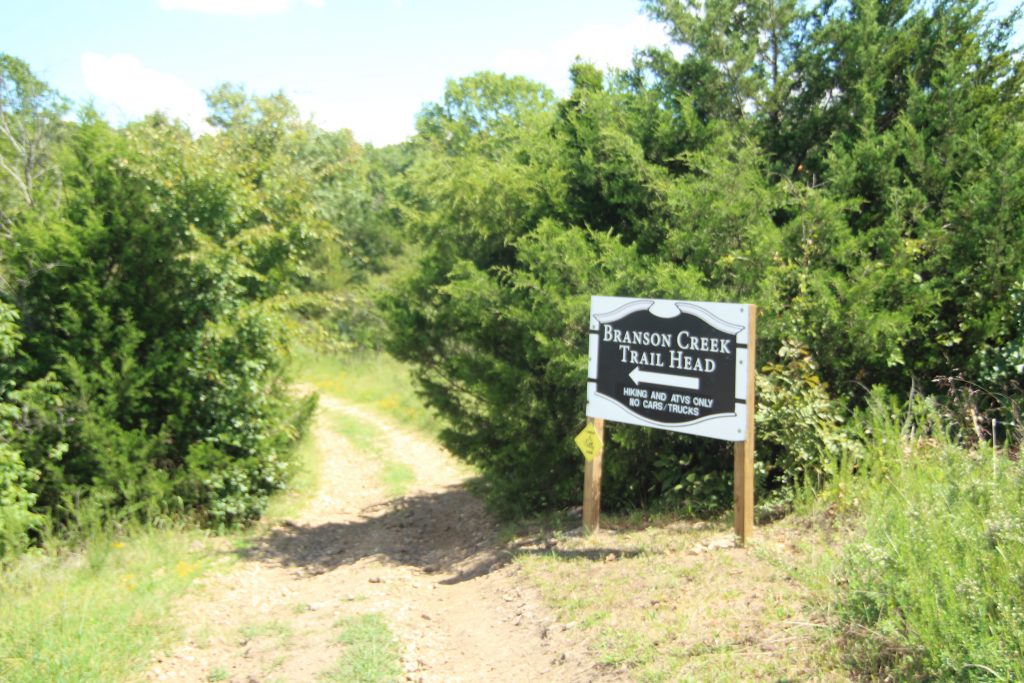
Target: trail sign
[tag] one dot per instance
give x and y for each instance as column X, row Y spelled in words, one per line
column 674, row 365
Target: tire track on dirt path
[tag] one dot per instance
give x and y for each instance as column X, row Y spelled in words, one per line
column 429, row 562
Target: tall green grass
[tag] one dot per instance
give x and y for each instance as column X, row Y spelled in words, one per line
column 932, row 586
column 95, row 613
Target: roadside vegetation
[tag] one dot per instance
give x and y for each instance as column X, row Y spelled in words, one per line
column 171, row 304
column 97, row 609
column 905, row 565
column 929, row 585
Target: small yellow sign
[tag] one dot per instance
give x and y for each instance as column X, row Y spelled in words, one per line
column 589, row 441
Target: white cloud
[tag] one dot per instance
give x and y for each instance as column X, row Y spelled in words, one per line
column 380, row 121
column 603, row 44
column 236, row 7
column 122, row 85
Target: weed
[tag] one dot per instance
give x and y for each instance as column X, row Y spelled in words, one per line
column 268, row 629
column 931, row 586
column 95, row 613
column 371, row 653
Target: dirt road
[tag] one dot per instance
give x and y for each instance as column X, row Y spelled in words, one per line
column 429, row 562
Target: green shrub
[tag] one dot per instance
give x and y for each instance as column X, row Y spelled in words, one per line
column 16, row 499
column 932, row 589
column 151, row 372
column 238, row 418
column 859, row 179
column 1001, row 363
column 800, row 430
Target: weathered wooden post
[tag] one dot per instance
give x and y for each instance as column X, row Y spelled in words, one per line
column 743, row 451
column 592, row 477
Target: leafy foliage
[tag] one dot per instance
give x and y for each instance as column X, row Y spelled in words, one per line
column 16, row 500
column 798, row 421
column 152, row 274
column 852, row 168
column 932, row 589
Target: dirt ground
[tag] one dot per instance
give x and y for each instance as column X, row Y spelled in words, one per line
column 429, row 562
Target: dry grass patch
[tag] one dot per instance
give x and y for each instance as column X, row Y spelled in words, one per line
column 677, row 600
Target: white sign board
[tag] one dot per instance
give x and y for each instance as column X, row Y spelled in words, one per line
column 674, row 365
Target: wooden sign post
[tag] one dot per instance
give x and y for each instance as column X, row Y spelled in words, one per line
column 743, row 451
column 682, row 366
column 592, row 479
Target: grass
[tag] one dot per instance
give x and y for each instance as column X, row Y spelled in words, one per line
column 96, row 613
column 371, row 653
column 363, row 435
column 269, row 629
column 907, row 565
column 374, row 380
column 397, row 477
column 932, row 588
column 670, row 599
column 302, row 487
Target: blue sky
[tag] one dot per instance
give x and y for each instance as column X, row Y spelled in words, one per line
column 367, row 66
column 359, row 64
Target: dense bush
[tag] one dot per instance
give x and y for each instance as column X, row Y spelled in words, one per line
column 798, row 420
column 855, row 169
column 16, row 500
column 931, row 587
column 154, row 275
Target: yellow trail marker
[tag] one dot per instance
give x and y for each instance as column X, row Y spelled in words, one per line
column 589, row 441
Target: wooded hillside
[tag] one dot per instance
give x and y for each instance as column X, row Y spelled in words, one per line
column 854, row 169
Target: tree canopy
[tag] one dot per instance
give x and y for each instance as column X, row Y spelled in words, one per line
column 854, row 168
